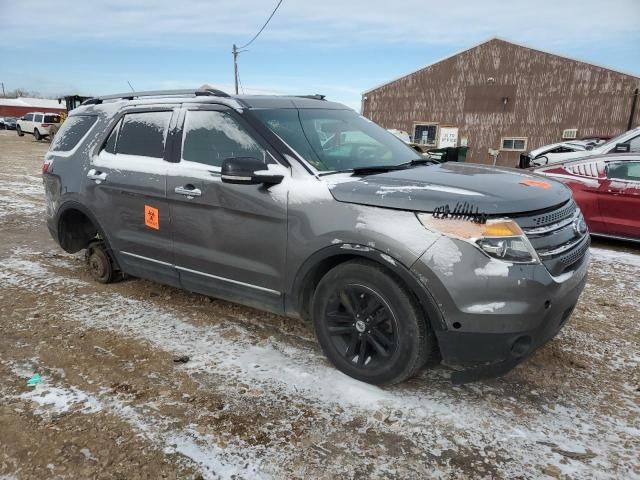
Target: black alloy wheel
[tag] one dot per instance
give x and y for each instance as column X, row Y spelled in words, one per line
column 369, row 325
column 361, row 325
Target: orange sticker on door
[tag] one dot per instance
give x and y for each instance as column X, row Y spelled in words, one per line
column 151, row 219
column 535, row 183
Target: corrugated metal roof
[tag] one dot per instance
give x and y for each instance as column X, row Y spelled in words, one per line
column 31, row 102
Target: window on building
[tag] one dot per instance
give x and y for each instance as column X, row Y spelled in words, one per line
column 212, row 137
column 144, row 134
column 425, row 133
column 513, row 144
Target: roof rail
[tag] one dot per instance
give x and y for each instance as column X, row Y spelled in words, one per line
column 317, row 96
column 156, row 93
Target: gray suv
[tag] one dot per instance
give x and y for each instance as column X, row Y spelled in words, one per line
column 302, row 207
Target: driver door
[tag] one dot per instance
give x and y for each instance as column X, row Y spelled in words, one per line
column 229, row 241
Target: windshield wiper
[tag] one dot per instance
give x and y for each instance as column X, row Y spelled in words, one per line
column 418, row 161
column 377, row 169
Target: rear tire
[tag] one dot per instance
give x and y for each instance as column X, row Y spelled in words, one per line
column 19, row 131
column 369, row 326
column 100, row 265
column 36, row 134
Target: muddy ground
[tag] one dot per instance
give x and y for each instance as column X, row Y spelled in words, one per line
column 257, row 399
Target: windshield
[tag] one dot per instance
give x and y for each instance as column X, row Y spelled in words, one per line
column 614, row 141
column 336, row 140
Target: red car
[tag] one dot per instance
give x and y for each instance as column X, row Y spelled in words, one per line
column 607, row 190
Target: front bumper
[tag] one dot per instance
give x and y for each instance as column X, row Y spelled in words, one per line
column 494, row 319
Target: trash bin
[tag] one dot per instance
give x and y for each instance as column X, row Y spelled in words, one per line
column 449, row 154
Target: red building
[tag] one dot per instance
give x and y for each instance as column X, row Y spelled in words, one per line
column 17, row 107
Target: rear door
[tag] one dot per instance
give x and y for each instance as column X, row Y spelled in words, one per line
column 620, row 198
column 229, row 240
column 37, row 123
column 126, row 188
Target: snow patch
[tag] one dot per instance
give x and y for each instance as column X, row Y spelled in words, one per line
column 485, row 307
column 444, row 255
column 494, row 268
column 435, row 188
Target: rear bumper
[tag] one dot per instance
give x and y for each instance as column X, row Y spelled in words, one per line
column 491, row 324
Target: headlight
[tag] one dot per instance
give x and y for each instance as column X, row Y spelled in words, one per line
column 502, row 239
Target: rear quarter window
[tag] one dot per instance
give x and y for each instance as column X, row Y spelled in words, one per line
column 72, row 131
column 144, row 134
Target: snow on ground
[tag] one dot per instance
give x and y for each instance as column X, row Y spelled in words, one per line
column 455, row 420
column 257, row 398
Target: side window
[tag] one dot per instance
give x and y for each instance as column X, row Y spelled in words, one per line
column 629, row 171
column 72, row 131
column 211, row 137
column 37, row 118
column 144, row 134
column 28, row 117
column 635, row 144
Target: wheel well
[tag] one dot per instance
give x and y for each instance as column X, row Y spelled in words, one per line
column 75, row 230
column 315, row 274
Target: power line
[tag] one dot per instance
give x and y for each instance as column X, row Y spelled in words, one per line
column 236, row 51
column 263, row 26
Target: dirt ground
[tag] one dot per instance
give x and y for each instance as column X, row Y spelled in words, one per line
column 257, row 399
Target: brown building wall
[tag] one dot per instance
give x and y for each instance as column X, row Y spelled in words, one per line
column 545, row 94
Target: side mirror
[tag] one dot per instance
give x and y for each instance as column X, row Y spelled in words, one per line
column 248, row 171
column 622, row 148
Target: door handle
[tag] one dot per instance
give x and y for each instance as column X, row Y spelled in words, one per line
column 188, row 191
column 96, row 175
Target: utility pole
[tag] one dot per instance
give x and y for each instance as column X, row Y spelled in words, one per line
column 633, row 109
column 3, row 94
column 235, row 66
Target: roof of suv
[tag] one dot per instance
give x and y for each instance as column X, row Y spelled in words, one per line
column 218, row 96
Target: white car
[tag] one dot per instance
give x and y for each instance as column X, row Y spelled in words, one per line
column 39, row 124
column 627, row 142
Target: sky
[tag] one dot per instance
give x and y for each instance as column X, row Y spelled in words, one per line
column 334, row 47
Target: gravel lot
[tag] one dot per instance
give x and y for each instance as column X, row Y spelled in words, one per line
column 257, row 399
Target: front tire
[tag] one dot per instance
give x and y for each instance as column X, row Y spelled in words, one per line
column 36, row 134
column 19, row 131
column 369, row 326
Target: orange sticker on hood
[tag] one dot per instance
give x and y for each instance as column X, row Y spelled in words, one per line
column 151, row 219
column 535, row 183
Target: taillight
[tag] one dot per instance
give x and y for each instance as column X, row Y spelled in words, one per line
column 46, row 165
column 46, row 124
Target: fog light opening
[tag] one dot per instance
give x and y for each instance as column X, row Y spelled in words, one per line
column 456, row 325
column 521, row 346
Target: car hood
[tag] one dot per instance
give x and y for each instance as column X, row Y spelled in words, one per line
column 495, row 191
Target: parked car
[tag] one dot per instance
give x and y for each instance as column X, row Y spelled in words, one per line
column 529, row 159
column 627, row 142
column 38, row 124
column 607, row 190
column 397, row 261
column 9, row 123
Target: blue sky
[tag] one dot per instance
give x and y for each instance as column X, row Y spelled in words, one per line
column 334, row 47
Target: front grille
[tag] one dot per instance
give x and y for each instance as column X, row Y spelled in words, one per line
column 556, row 216
column 558, row 243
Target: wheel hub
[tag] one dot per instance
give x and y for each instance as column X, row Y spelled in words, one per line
column 361, row 326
